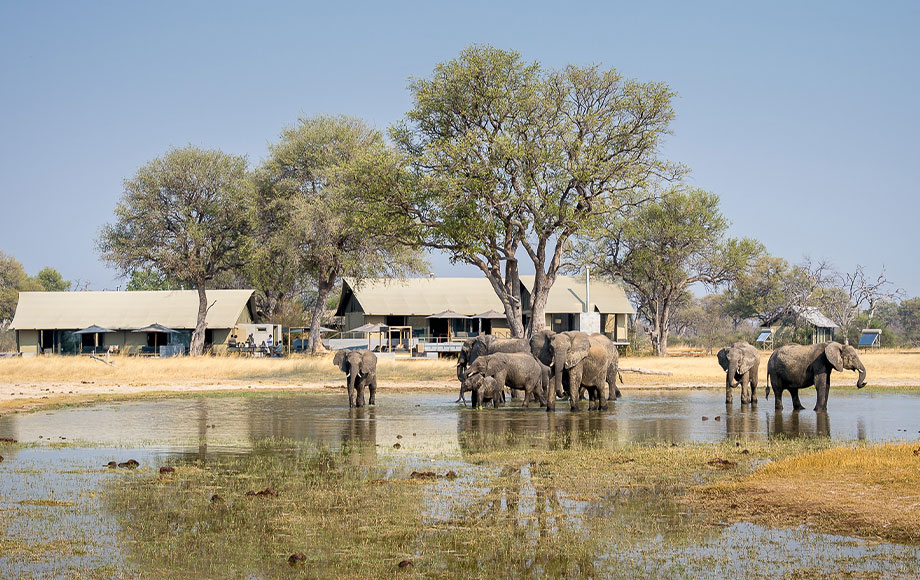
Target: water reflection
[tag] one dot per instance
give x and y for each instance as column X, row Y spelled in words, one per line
column 430, row 422
column 801, row 423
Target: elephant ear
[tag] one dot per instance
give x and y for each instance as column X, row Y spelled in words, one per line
column 368, row 362
column 748, row 361
column 578, row 350
column 723, row 358
column 832, row 352
column 339, row 358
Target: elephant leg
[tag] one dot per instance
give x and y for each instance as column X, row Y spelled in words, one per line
column 372, row 389
column 796, row 403
column 745, row 389
column 822, row 385
column 359, row 393
column 351, row 392
column 778, row 395
column 574, row 387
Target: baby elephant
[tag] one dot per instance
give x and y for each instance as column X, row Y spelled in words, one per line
column 516, row 370
column 740, row 362
column 360, row 368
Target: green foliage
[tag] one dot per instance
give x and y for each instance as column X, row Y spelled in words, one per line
column 909, row 319
column 318, row 214
column 183, row 215
column 150, row 279
column 666, row 246
column 509, row 155
column 13, row 280
column 50, row 280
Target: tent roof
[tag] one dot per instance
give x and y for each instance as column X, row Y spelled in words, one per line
column 177, row 309
column 567, row 296
column 812, row 315
column 470, row 296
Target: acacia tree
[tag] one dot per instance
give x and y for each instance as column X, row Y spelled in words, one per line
column 772, row 290
column 851, row 292
column 665, row 247
column 507, row 155
column 183, row 215
column 319, row 213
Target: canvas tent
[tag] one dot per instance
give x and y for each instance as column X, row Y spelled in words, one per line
column 47, row 322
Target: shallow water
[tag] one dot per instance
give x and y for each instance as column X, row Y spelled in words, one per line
column 215, row 424
column 434, row 432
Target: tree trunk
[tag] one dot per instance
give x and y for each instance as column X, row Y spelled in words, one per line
column 663, row 340
column 509, row 292
column 538, row 298
column 323, row 288
column 196, row 348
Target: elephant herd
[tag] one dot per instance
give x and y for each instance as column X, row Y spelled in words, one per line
column 551, row 365
column 572, row 365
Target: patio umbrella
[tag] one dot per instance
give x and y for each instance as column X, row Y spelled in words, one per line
column 96, row 330
column 369, row 329
column 155, row 328
column 489, row 315
column 450, row 315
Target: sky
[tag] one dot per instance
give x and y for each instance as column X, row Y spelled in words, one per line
column 801, row 116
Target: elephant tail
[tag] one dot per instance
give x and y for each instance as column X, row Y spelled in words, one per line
column 766, row 390
column 619, row 374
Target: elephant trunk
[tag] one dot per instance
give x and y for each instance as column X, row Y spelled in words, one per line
column 732, row 374
column 861, row 382
column 558, row 369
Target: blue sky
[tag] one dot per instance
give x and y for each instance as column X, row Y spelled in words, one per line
column 802, row 116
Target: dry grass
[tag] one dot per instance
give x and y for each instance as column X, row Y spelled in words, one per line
column 870, row 491
column 206, row 370
column 889, row 367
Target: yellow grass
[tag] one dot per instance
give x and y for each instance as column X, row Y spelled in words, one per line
column 886, row 366
column 893, row 367
column 872, row 491
column 206, row 370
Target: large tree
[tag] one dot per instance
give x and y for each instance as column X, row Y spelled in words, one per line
column 510, row 157
column 319, row 214
column 183, row 215
column 666, row 246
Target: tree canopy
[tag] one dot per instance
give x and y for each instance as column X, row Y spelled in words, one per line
column 508, row 156
column 666, row 246
column 183, row 215
column 318, row 215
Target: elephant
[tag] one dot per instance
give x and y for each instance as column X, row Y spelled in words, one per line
column 741, row 363
column 517, row 370
column 485, row 344
column 793, row 367
column 360, row 368
column 578, row 361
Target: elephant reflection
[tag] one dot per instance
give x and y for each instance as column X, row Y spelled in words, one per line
column 483, row 432
column 742, row 422
column 793, row 425
column 359, row 436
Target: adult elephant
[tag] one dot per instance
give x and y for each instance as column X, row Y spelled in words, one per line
column 795, row 367
column 741, row 363
column 490, row 374
column 485, row 344
column 360, row 368
column 578, row 361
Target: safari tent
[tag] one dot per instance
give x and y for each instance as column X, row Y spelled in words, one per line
column 415, row 302
column 51, row 322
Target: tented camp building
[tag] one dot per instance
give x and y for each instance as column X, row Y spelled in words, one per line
column 420, row 303
column 51, row 322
